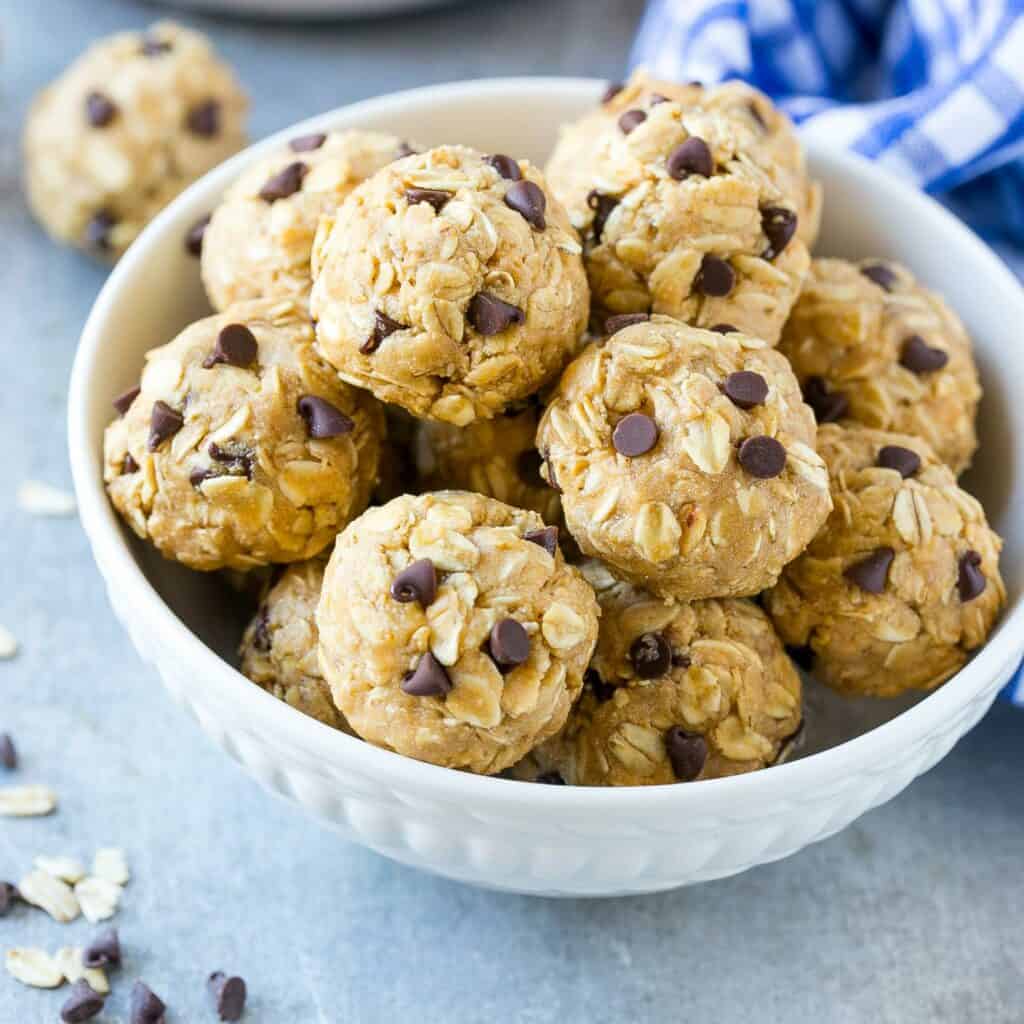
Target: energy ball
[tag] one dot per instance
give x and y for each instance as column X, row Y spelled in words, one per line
column 686, row 208
column 279, row 648
column 902, row 582
column 259, row 239
column 240, row 446
column 133, row 121
column 685, row 459
column 453, row 631
column 450, row 283
column 871, row 345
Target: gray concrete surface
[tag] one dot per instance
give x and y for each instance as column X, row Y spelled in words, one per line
column 912, row 915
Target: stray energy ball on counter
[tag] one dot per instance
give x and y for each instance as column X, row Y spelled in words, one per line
column 685, row 459
column 240, row 446
column 133, row 121
column 450, row 283
column 902, row 582
column 453, row 631
column 871, row 345
column 259, row 239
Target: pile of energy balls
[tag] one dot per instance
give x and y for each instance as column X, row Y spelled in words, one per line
column 560, row 471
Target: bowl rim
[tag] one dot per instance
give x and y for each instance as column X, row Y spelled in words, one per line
column 868, row 753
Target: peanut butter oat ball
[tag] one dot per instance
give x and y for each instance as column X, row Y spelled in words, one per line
column 903, row 580
column 279, row 648
column 453, row 631
column 259, row 239
column 871, row 345
column 685, row 459
column 241, row 447
column 133, row 121
column 449, row 283
column 685, row 208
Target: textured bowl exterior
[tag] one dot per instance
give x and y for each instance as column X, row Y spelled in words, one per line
column 494, row 832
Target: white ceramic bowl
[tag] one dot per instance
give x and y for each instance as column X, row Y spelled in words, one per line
column 504, row 834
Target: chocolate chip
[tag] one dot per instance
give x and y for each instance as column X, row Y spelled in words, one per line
column 602, row 691
column 528, row 464
column 505, row 166
column 828, row 406
column 99, row 109
column 103, row 949
column 546, row 538
column 551, row 778
column 803, row 657
column 871, row 573
column 680, row 659
column 404, row 150
column 9, row 895
column 235, row 346
column 227, row 995
column 97, row 231
column 611, row 91
column 146, row 1006
column 152, row 47
column 779, row 227
column 762, row 456
column 970, row 581
column 82, row 1004
column 509, row 643
column 8, row 752
column 723, row 329
column 527, row 199
column 417, row 582
column 201, row 474
column 715, row 277
column 285, row 183
column 383, row 327
column 307, row 143
column 129, row 465
column 434, row 197
column 630, row 120
column 621, row 321
column 880, row 274
column 164, row 422
column 635, row 434
column 194, row 236
column 429, row 679
column 903, row 460
column 687, row 752
column 323, row 420
column 650, row 655
column 239, row 462
column 656, row 98
column 123, row 402
column 204, row 119
column 488, row 314
column 602, row 206
column 920, row 357
column 691, row 156
column 745, row 389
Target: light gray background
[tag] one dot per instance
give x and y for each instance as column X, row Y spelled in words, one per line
column 916, row 913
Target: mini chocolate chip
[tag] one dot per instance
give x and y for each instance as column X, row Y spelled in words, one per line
column 307, row 143
column 323, row 420
column 528, row 464
column 551, row 778
column 715, row 277
column 82, row 1004
column 239, row 463
column 404, row 150
column 631, row 120
column 9, row 895
column 621, row 321
column 428, row 679
column 762, row 456
column 152, row 47
column 97, row 231
column 601, row 690
column 635, row 434
column 129, row 465
column 527, row 199
column 546, row 538
column 828, row 406
column 434, row 197
column 779, row 227
column 680, row 659
column 803, row 657
column 903, row 460
column 602, row 206
column 235, row 346
column 509, row 643
column 723, row 329
column 227, row 995
column 611, row 91
column 505, row 166
column 204, row 119
column 691, row 156
column 880, row 274
column 285, row 183
column 103, row 949
column 194, row 236
column 488, row 314
column 8, row 752
column 201, row 474
column 146, row 1006
column 871, row 573
column 970, row 581
column 417, row 582
column 656, row 98
column 124, row 401
column 745, row 389
column 920, row 357
column 383, row 326
column 99, row 109
column 687, row 752
column 164, row 422
column 650, row 655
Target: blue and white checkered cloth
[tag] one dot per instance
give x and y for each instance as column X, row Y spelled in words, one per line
column 933, row 90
